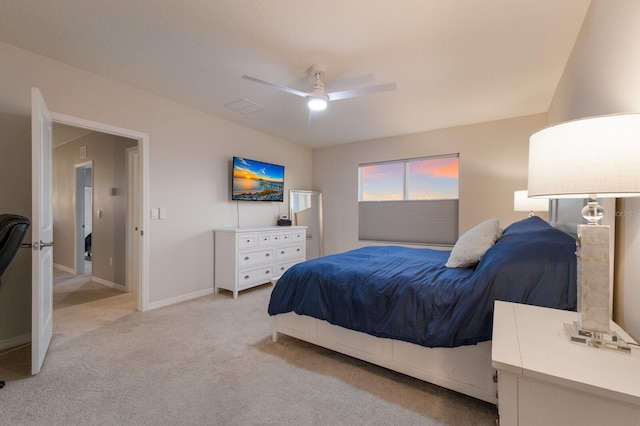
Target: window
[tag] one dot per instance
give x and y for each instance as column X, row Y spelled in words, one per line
column 411, row 201
column 382, row 182
column 432, row 178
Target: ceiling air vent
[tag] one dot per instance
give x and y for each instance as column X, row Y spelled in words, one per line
column 245, row 106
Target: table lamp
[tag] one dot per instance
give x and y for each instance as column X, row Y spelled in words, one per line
column 589, row 158
column 522, row 203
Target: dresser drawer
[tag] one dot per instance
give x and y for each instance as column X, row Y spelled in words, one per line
column 285, row 237
column 250, row 276
column 247, row 240
column 264, row 239
column 283, row 266
column 252, row 257
column 275, row 238
column 290, row 252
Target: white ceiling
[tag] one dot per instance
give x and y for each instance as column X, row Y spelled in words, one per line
column 455, row 62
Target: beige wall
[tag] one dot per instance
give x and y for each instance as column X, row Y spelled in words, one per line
column 602, row 76
column 493, row 164
column 15, row 198
column 189, row 157
column 108, row 156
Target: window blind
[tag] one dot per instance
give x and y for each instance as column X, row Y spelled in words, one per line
column 433, row 222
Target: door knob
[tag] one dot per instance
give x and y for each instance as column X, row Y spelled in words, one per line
column 40, row 245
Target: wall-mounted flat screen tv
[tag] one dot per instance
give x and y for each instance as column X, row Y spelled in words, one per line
column 257, row 181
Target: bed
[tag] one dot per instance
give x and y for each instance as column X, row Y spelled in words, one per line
column 403, row 309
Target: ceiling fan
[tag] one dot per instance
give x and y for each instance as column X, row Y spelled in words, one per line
column 318, row 98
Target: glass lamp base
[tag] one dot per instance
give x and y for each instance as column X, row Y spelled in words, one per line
column 610, row 340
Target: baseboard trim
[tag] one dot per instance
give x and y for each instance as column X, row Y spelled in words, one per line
column 179, row 299
column 12, row 342
column 120, row 287
column 64, row 268
column 107, row 283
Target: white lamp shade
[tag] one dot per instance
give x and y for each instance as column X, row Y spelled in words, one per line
column 592, row 156
column 522, row 202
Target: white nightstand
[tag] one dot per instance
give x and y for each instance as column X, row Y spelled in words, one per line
column 544, row 379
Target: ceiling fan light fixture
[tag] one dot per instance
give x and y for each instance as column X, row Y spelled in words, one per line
column 318, row 99
column 317, row 103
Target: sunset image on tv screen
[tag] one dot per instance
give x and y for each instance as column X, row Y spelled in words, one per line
column 257, row 181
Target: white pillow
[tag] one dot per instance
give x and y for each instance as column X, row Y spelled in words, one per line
column 472, row 245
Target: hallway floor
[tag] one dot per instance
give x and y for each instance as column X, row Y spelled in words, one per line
column 80, row 305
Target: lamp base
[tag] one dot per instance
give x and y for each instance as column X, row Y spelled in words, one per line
column 610, row 340
column 593, row 277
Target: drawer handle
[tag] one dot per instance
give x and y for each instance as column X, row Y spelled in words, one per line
column 267, row 254
column 246, row 277
column 282, row 268
column 298, row 250
column 267, row 272
column 246, row 258
column 282, row 252
column 248, row 241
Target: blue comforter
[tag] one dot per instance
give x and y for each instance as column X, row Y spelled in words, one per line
column 408, row 294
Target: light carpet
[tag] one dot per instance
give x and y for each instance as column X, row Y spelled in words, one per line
column 209, row 361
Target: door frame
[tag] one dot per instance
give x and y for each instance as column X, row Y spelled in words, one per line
column 79, row 216
column 143, row 150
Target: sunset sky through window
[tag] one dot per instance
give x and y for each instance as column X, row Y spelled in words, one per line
column 427, row 179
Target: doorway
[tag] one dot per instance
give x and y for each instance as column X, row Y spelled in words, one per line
column 84, row 217
column 135, row 192
column 42, row 120
column 91, row 240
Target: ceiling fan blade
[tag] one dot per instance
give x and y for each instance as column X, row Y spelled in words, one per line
column 369, row 90
column 275, row 86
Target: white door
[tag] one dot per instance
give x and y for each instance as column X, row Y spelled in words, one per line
column 88, row 209
column 133, row 220
column 41, row 231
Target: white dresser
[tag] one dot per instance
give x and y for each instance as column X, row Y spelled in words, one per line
column 248, row 257
column 544, row 379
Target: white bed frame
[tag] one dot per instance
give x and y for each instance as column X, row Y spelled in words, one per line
column 464, row 369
